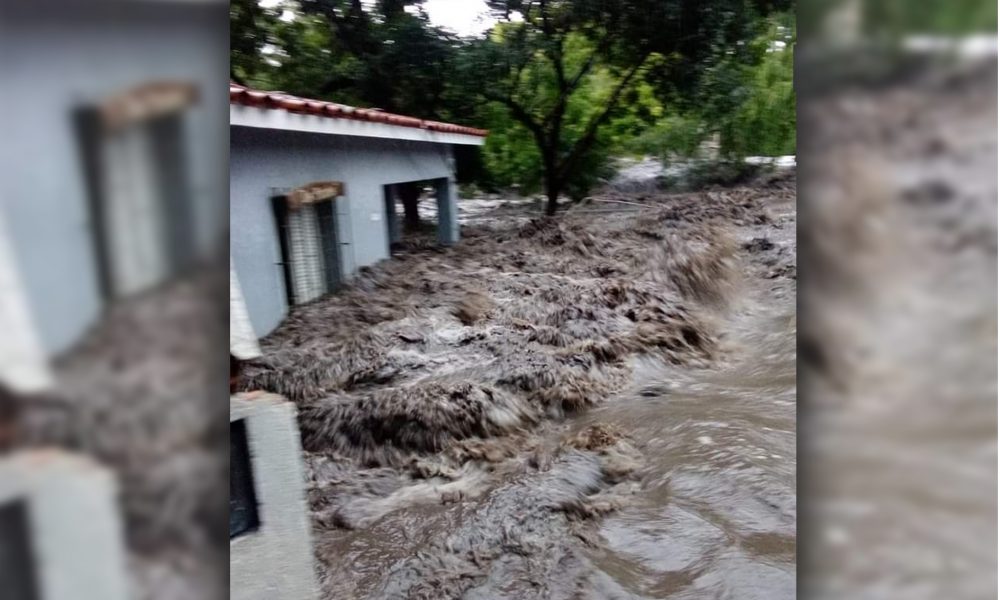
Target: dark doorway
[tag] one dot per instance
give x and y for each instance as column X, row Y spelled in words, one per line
column 418, row 215
column 139, row 194
column 243, row 517
column 18, row 575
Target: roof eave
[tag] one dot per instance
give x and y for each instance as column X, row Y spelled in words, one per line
column 263, row 116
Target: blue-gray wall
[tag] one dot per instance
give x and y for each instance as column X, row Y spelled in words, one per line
column 263, row 161
column 80, row 55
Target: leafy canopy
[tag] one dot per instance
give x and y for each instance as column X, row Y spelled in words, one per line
column 563, row 85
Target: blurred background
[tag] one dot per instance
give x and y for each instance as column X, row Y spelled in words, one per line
column 897, row 297
column 113, row 234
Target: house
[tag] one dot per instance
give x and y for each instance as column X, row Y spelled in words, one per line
column 23, row 367
column 116, row 181
column 270, row 533
column 312, row 189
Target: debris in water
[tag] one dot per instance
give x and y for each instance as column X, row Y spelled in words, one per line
column 437, row 384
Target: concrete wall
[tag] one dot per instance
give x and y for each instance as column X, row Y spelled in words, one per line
column 81, row 55
column 262, row 161
column 276, row 560
column 23, row 367
column 74, row 529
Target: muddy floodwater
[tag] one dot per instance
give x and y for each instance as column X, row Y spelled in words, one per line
column 596, row 406
column 714, row 514
column 899, row 338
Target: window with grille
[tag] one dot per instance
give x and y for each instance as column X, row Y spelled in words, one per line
column 307, row 228
column 17, row 563
column 133, row 150
column 243, row 517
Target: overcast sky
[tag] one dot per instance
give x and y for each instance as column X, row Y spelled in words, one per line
column 465, row 17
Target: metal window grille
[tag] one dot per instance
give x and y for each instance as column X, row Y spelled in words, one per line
column 309, row 248
column 306, row 254
column 139, row 199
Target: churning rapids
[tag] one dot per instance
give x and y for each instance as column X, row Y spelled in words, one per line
column 597, row 406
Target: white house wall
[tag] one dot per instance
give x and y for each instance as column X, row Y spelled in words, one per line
column 76, row 55
column 23, row 367
column 264, row 161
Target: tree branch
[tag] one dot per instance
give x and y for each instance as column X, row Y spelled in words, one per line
column 521, row 66
column 590, row 133
column 521, row 114
column 600, row 49
column 557, row 62
column 568, row 87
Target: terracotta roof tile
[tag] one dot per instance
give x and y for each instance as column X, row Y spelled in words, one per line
column 245, row 96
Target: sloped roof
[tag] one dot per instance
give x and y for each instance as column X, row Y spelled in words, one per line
column 245, row 96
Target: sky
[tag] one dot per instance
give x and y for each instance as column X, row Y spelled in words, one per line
column 464, row 17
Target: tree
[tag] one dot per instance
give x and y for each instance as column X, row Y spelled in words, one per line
column 763, row 123
column 246, row 38
column 409, row 195
column 383, row 54
column 563, row 85
column 527, row 63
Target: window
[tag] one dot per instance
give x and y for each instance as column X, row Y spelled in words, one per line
column 17, row 562
column 243, row 516
column 307, row 230
column 132, row 146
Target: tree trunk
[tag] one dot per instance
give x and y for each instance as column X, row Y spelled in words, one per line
column 552, row 193
column 409, row 194
column 551, row 182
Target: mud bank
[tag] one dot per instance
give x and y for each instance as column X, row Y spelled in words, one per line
column 440, row 394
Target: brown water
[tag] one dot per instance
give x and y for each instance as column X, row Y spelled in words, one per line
column 711, row 512
column 901, row 388
column 715, row 514
column 599, row 407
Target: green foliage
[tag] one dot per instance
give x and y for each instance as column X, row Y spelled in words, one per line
column 747, row 99
column 383, row 57
column 674, row 135
column 954, row 17
column 510, row 155
column 564, row 86
column 248, row 23
column 763, row 123
column 585, row 77
column 894, row 18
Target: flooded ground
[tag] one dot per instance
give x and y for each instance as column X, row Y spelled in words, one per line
column 139, row 394
column 715, row 514
column 898, row 346
column 599, row 406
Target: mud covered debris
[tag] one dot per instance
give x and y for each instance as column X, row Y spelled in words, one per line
column 437, row 388
column 519, row 321
column 539, row 547
column 473, row 307
column 425, row 416
column 139, row 393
